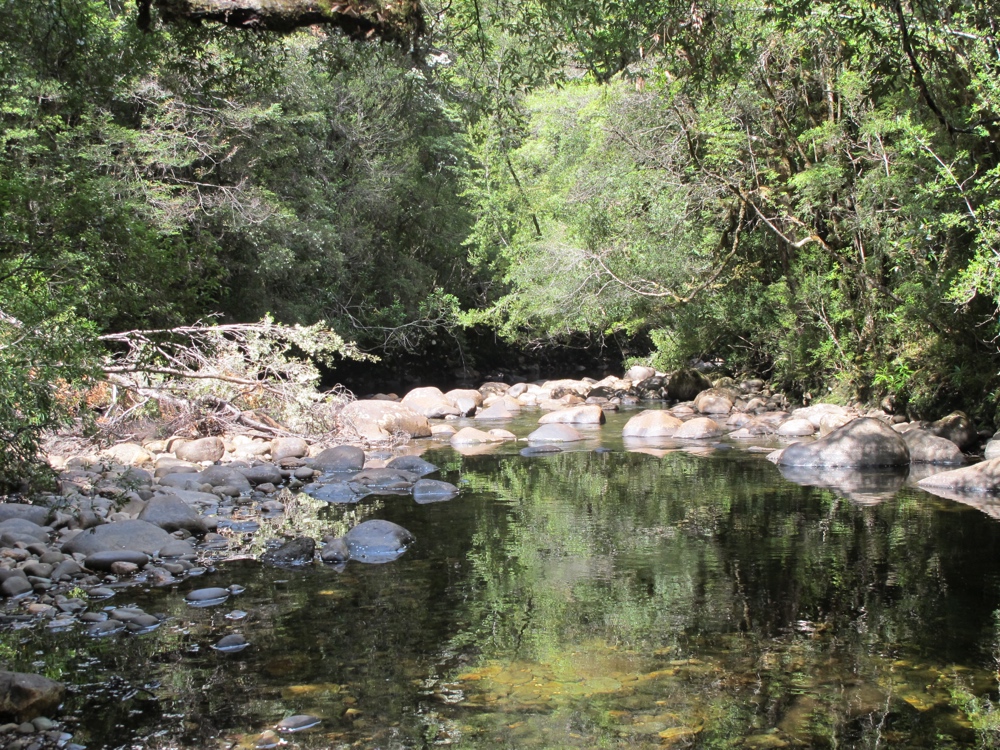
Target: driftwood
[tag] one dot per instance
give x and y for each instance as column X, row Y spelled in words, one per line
column 398, row 21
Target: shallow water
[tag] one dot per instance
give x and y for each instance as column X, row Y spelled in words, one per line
column 599, row 597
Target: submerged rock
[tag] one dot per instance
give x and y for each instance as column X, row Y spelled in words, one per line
column 377, row 541
column 340, row 458
column 24, row 696
column 979, row 478
column 412, row 464
column 433, row 491
column 298, row 551
column 231, row 644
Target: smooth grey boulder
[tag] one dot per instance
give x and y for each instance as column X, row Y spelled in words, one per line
column 104, row 560
column 24, row 528
column 377, row 541
column 224, row 476
column 796, row 428
column 861, row 443
column 413, row 464
column 181, row 481
column 652, row 423
column 433, row 491
column 979, row 478
column 583, row 414
column 385, row 479
column 298, row 551
column 171, row 513
column 555, row 433
column 263, row 474
column 926, row 448
column 288, row 447
column 699, row 428
column 339, row 458
column 25, row 696
column 685, row 385
column 715, row 401
column 205, row 449
column 383, row 420
column 135, row 535
column 431, row 403
column 34, row 513
column 16, row 587
column 335, row 551
column 957, row 428
column 337, row 492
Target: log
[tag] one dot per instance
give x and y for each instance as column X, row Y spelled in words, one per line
column 398, row 21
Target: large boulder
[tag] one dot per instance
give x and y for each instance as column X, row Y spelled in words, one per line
column 466, row 399
column 685, row 385
column 796, row 428
column 34, row 513
column 700, row 428
column 288, row 447
column 140, row 536
column 979, row 478
column 128, row 453
column 992, row 449
column 377, row 541
column 714, row 401
column 555, row 433
column 638, row 373
column 817, row 412
column 472, row 436
column 926, row 448
column 587, row 414
column 171, row 513
column 209, row 449
column 339, row 458
column 860, row 443
column 651, row 423
column 382, row 420
column 500, row 409
column 957, row 428
column 431, row 402
column 25, row 696
column 223, row 476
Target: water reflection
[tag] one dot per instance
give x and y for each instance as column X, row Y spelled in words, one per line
column 864, row 487
column 583, row 599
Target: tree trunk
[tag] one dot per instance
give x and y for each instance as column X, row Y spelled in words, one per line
column 399, row 21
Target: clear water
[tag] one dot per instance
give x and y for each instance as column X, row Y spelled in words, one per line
column 680, row 598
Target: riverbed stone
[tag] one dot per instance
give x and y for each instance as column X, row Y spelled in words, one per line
column 341, row 458
column 335, row 551
column 652, row 423
column 209, row 449
column 288, row 447
column 128, row 453
column 431, row 403
column 714, row 401
column 433, row 491
column 472, row 436
column 638, row 373
column 24, row 696
column 135, row 535
column 262, row 474
column 992, row 449
column 383, row 420
column 555, row 433
column 796, row 428
column 817, row 412
column 103, row 561
column 171, row 513
column 21, row 529
column 983, row 477
column 181, row 481
column 377, row 541
column 34, row 513
column 860, row 443
column 686, row 384
column 699, row 428
column 412, row 464
column 393, row 479
column 496, row 411
column 298, row 551
column 16, row 586
column 337, row 492
column 956, row 427
column 927, row 448
column 586, row 414
column 224, row 476
column 466, row 399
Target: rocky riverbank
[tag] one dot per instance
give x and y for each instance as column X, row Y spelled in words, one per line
column 160, row 511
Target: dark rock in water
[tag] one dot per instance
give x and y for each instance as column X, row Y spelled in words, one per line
column 299, row 723
column 335, row 551
column 298, row 551
column 413, row 464
column 386, row 479
column 171, row 513
column 377, row 541
column 337, row 492
column 926, row 448
column 34, row 513
column 540, row 450
column 956, row 427
column 24, row 696
column 231, row 644
column 104, row 560
column 224, row 476
column 178, row 549
column 141, row 536
column 862, row 443
column 207, row 597
column 341, row 458
column 106, row 628
column 99, row 593
column 433, row 491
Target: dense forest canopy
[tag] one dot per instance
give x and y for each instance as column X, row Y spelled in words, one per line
column 801, row 190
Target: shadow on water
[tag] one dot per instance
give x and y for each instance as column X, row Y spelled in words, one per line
column 582, row 599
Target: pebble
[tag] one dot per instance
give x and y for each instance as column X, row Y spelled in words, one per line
column 236, row 614
column 231, row 644
column 299, row 723
column 207, row 597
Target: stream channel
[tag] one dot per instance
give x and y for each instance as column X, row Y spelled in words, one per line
column 609, row 595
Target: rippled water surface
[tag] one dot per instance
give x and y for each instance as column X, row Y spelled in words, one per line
column 600, row 597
